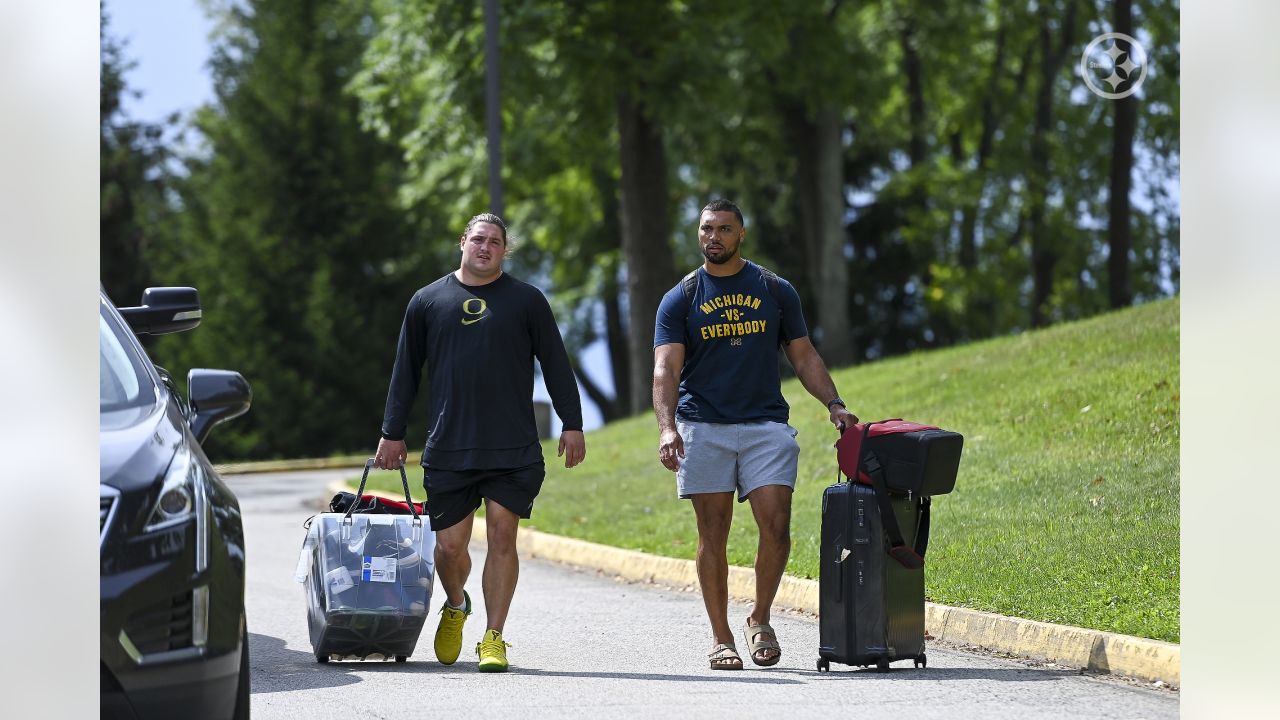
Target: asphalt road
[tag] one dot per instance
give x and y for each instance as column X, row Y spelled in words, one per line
column 589, row 646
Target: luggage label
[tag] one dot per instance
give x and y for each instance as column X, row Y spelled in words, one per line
column 378, row 569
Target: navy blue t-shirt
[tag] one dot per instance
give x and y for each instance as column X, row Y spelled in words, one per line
column 730, row 332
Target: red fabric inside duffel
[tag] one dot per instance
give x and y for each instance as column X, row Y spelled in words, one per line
column 372, row 504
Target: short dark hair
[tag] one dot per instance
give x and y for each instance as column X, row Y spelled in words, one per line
column 722, row 205
column 490, row 218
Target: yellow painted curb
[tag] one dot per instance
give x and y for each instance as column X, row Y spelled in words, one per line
column 1093, row 650
column 1065, row 645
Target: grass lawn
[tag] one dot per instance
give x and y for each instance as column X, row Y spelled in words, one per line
column 1066, row 507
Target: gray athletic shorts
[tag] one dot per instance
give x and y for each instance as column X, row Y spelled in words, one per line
column 722, row 458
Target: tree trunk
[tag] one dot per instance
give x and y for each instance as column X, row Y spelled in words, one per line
column 615, row 329
column 1038, row 179
column 940, row 328
column 616, row 341
column 1119, row 227
column 915, row 94
column 819, row 201
column 1044, row 254
column 608, row 408
column 832, row 271
column 646, row 233
column 986, row 142
column 986, row 145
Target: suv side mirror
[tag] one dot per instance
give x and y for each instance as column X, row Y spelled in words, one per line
column 164, row 310
column 215, row 396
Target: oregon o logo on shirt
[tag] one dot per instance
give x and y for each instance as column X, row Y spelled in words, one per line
column 474, row 307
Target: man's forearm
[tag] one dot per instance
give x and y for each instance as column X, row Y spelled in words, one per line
column 563, row 389
column 557, row 371
column 406, row 373
column 816, row 379
column 400, row 394
column 666, row 388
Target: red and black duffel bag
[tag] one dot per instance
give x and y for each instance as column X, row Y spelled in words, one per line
column 913, row 458
column 899, row 457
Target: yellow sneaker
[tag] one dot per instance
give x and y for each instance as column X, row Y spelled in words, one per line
column 493, row 652
column 449, row 631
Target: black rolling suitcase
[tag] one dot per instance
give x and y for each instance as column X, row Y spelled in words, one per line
column 368, row 578
column 874, row 538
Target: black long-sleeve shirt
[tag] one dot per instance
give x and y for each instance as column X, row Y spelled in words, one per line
column 478, row 343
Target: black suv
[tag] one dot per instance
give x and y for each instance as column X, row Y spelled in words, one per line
column 173, row 631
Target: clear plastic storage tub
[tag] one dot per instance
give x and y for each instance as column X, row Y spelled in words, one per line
column 368, row 584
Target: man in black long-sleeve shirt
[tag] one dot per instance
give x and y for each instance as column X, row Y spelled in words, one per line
column 478, row 330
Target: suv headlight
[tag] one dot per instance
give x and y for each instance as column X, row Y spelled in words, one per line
column 177, row 501
column 182, row 497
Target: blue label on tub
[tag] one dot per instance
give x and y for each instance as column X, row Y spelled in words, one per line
column 378, row 569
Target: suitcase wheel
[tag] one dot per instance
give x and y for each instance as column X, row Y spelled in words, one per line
column 882, row 666
column 402, row 658
column 322, row 659
column 824, row 665
column 922, row 662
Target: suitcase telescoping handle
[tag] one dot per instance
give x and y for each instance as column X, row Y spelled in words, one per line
column 908, row 557
column 404, row 482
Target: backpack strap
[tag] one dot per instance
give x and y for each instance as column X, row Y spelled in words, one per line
column 911, row 558
column 774, row 283
column 690, row 286
column 771, row 281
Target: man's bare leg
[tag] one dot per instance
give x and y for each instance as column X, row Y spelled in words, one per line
column 771, row 505
column 453, row 559
column 501, row 564
column 715, row 516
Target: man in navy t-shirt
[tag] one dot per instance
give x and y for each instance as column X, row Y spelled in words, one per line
column 723, row 421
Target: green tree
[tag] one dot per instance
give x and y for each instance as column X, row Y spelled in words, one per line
column 936, row 174
column 292, row 232
column 587, row 91
column 132, row 179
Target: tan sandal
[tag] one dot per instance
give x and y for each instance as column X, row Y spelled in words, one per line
column 725, row 657
column 751, row 632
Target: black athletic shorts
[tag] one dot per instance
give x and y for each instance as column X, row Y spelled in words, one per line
column 454, row 494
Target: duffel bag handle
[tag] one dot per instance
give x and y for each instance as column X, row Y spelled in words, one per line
column 404, row 483
column 862, row 452
column 862, row 448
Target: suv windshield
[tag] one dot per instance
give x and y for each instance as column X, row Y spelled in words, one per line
column 122, row 382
